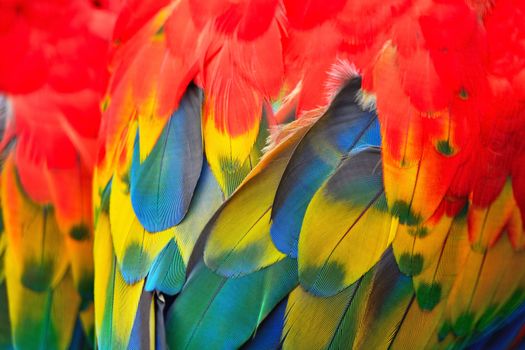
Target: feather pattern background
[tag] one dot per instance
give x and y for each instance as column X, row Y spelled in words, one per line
column 395, row 191
column 262, row 174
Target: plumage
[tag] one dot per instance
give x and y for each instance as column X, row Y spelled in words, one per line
column 167, row 273
column 349, row 319
column 484, row 230
column 353, row 201
column 324, row 316
column 438, row 273
column 116, row 301
column 268, row 334
column 207, row 199
column 237, row 237
column 135, row 248
column 162, row 185
column 417, row 247
column 32, row 328
column 507, row 337
column 33, row 237
column 262, row 174
column 474, row 300
column 230, row 172
column 343, row 128
column 5, row 328
column 194, row 320
column 390, row 296
column 142, row 334
column 53, row 74
column 82, row 267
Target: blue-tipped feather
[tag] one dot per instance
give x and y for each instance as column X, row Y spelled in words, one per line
column 344, row 127
column 162, row 186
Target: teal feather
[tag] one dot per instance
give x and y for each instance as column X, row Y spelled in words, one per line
column 168, row 272
column 215, row 312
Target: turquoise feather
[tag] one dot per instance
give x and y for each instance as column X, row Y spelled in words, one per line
column 168, row 272
column 215, row 312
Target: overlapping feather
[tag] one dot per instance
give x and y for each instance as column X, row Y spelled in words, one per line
column 333, row 194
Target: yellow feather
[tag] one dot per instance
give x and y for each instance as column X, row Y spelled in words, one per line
column 40, row 318
column 311, row 320
column 121, row 111
column 515, row 229
column 104, row 268
column 130, row 239
column 3, row 246
column 150, row 124
column 244, row 222
column 351, row 228
column 116, row 302
column 465, row 286
column 226, row 153
column 483, row 286
column 33, row 235
column 442, row 270
column 419, row 328
column 487, row 223
column 425, row 241
column 125, row 303
column 513, row 276
column 206, row 200
column 240, row 234
column 87, row 317
column 80, row 254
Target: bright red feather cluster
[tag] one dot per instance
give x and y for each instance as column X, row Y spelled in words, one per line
column 54, row 68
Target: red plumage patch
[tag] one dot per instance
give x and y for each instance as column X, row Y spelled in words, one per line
column 310, row 13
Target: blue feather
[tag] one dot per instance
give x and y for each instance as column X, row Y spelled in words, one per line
column 140, row 333
column 268, row 335
column 344, row 128
column 162, row 186
column 501, row 335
